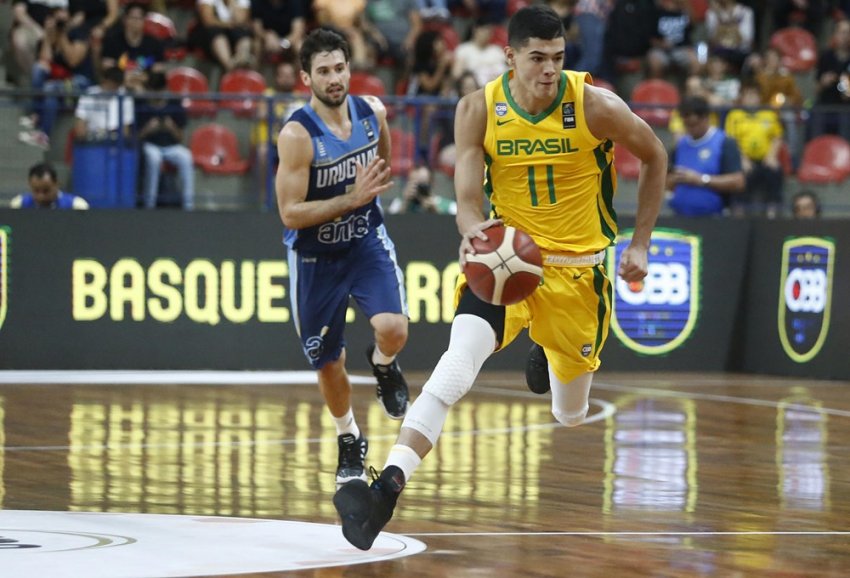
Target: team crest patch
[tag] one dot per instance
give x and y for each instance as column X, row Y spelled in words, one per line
column 501, row 108
column 586, row 349
column 568, row 114
column 805, row 295
column 4, row 272
column 370, row 132
column 657, row 315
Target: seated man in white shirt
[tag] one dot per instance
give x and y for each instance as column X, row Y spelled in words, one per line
column 104, row 109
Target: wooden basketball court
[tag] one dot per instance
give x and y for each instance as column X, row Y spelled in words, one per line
column 674, row 475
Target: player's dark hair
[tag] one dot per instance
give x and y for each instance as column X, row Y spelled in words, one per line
column 43, row 169
column 535, row 21
column 322, row 40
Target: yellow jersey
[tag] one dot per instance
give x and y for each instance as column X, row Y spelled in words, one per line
column 755, row 131
column 546, row 174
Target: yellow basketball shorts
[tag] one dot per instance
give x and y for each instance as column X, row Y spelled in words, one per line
column 568, row 315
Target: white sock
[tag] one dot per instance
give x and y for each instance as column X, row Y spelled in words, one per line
column 378, row 357
column 404, row 458
column 346, row 424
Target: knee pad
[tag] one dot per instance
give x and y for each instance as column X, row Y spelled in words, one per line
column 570, row 420
column 452, row 377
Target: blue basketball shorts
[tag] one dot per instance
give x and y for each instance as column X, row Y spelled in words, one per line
column 320, row 286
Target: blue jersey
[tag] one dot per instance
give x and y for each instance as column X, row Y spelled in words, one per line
column 703, row 156
column 63, row 201
column 332, row 173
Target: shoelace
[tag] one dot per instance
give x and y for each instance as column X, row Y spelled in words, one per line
column 352, row 455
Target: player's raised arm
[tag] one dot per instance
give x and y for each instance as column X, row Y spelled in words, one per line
column 293, row 178
column 470, row 127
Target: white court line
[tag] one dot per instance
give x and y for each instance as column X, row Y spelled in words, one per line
column 520, row 534
column 164, row 377
column 719, row 398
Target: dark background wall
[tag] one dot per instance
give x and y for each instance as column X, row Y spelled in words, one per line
column 169, row 290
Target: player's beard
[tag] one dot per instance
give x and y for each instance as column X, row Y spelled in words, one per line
column 332, row 101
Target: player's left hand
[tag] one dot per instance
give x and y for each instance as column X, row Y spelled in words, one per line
column 633, row 264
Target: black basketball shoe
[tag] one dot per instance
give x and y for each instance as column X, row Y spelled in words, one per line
column 352, row 457
column 392, row 387
column 365, row 510
column 537, row 370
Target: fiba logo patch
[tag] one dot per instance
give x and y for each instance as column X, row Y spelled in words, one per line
column 805, row 296
column 501, row 108
column 658, row 314
column 4, row 272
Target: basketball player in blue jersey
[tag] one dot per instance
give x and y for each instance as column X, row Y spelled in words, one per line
column 538, row 141
column 334, row 163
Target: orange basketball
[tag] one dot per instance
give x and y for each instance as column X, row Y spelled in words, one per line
column 506, row 268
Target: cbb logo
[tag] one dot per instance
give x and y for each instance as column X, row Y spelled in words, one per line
column 657, row 315
column 665, row 284
column 805, row 290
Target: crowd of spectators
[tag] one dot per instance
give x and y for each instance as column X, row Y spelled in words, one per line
column 715, row 50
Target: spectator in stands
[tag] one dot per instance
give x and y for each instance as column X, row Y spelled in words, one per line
column 161, row 124
column 393, row 25
column 672, row 47
column 279, row 27
column 805, row 205
column 105, row 109
column 45, row 193
column 64, row 65
column 592, row 22
column 224, row 32
column 130, row 49
column 778, row 86
column 28, row 18
column 285, row 103
column 95, row 18
column 439, row 9
column 347, row 17
column 567, row 11
column 418, row 196
column 628, row 35
column 478, row 55
column 466, row 84
column 808, row 13
column 758, row 132
column 694, row 86
column 430, row 76
column 722, row 84
column 705, row 165
column 833, row 84
column 730, row 27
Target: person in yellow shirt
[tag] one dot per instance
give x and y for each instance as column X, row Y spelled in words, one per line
column 758, row 132
column 541, row 142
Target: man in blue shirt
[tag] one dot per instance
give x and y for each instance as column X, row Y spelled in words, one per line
column 705, row 166
column 44, row 192
column 334, row 163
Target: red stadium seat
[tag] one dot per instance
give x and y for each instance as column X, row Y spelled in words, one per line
column 499, row 36
column 514, row 5
column 447, row 31
column 627, row 164
column 215, row 149
column 698, row 10
column 657, row 92
column 162, row 28
column 245, row 83
column 187, row 81
column 366, row 83
column 826, row 159
column 403, row 151
column 797, row 46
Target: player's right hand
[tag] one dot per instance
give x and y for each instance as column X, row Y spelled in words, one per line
column 371, row 181
column 476, row 231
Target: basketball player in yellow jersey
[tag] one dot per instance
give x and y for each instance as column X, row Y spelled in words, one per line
column 541, row 142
